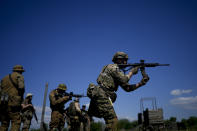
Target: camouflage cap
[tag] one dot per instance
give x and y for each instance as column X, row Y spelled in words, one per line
column 62, row 87
column 119, row 55
column 18, row 68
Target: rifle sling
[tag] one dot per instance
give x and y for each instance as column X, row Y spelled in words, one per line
column 12, row 81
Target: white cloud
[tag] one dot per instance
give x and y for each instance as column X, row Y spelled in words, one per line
column 185, row 102
column 47, row 116
column 186, row 91
column 177, row 92
column 39, row 109
column 126, row 117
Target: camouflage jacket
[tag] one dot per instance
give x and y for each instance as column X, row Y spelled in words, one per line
column 14, row 90
column 57, row 101
column 85, row 116
column 111, row 77
column 28, row 111
column 74, row 111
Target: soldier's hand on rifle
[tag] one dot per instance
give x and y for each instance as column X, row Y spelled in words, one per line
column 70, row 95
column 66, row 98
column 134, row 70
column 144, row 80
column 30, row 105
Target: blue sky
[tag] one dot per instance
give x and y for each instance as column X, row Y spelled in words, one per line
column 70, row 41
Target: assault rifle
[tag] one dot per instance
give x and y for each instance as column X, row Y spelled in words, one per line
column 33, row 111
column 72, row 95
column 141, row 65
column 35, row 116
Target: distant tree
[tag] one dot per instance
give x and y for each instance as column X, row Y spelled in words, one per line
column 35, row 129
column 182, row 125
column 96, row 126
column 134, row 124
column 126, row 124
column 192, row 122
column 172, row 119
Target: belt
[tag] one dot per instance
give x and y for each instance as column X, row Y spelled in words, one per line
column 14, row 108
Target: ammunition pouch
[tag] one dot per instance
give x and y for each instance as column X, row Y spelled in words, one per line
column 4, row 97
column 110, row 94
column 14, row 101
column 92, row 91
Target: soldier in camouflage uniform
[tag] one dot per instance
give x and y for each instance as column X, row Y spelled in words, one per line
column 1, row 113
column 12, row 85
column 57, row 101
column 27, row 112
column 85, row 119
column 74, row 113
column 104, row 94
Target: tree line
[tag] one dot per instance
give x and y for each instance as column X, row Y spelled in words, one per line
column 189, row 124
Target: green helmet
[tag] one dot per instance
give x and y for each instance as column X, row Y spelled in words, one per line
column 62, row 87
column 18, row 68
column 119, row 55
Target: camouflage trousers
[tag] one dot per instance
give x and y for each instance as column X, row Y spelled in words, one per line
column 13, row 115
column 26, row 124
column 57, row 121
column 85, row 126
column 74, row 124
column 102, row 107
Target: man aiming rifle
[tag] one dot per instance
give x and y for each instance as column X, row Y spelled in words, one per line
column 58, row 98
column 111, row 77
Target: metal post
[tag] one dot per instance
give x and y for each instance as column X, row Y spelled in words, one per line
column 43, row 108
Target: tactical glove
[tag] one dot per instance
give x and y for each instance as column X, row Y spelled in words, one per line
column 144, row 80
column 70, row 95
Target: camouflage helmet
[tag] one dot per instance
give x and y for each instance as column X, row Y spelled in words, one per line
column 29, row 94
column 18, row 68
column 119, row 55
column 62, row 87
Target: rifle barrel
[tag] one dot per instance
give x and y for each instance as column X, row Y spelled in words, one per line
column 143, row 64
column 164, row 65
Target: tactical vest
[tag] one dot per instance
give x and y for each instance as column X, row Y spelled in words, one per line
column 57, row 107
column 105, row 78
column 72, row 111
column 9, row 87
